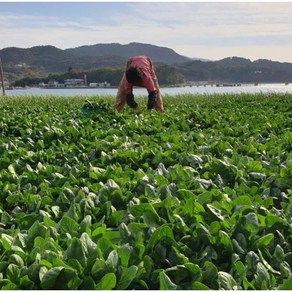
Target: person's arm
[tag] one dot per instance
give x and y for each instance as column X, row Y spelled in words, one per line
column 152, row 91
column 148, row 76
column 152, row 96
column 131, row 101
column 151, row 100
column 128, row 88
column 150, row 84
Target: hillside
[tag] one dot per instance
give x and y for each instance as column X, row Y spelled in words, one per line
column 40, row 60
column 158, row 54
column 43, row 61
column 235, row 69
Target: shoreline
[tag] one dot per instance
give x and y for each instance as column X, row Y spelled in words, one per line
column 194, row 84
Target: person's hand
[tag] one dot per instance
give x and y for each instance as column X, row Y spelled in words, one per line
column 137, row 109
column 131, row 101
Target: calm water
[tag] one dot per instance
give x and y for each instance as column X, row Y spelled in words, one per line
column 261, row 88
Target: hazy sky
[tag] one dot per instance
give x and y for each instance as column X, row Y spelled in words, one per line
column 211, row 30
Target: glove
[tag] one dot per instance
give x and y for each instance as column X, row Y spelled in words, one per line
column 130, row 101
column 151, row 100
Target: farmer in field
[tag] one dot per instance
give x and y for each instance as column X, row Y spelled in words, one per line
column 139, row 72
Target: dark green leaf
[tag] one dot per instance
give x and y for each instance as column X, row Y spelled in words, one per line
column 262, row 277
column 76, row 251
column 108, row 282
column 264, row 240
column 226, row 281
column 13, row 273
column 67, row 225
column 112, row 260
column 49, row 279
column 199, row 286
column 251, row 222
column 165, row 283
column 98, row 267
column 162, row 232
column 124, row 253
column 226, row 241
column 127, row 276
column 287, row 284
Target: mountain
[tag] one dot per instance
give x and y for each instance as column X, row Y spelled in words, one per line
column 237, row 70
column 41, row 60
column 156, row 53
column 46, row 61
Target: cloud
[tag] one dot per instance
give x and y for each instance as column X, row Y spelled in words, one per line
column 190, row 28
column 252, row 52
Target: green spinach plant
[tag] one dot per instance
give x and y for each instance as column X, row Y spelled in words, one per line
column 198, row 197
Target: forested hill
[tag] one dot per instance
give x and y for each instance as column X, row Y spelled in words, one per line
column 45, row 61
column 156, row 53
column 235, row 69
column 40, row 60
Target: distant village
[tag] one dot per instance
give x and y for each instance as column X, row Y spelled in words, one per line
column 73, row 82
column 68, row 83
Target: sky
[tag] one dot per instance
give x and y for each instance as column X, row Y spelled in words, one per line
column 209, row 30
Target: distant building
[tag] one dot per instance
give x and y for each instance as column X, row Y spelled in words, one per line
column 53, row 83
column 74, row 82
column 104, row 84
column 101, row 84
column 93, row 84
column 6, row 84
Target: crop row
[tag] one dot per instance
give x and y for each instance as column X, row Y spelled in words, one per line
column 198, row 197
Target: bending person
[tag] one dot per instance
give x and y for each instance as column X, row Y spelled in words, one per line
column 139, row 72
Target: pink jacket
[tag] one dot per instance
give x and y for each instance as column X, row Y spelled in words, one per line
column 145, row 65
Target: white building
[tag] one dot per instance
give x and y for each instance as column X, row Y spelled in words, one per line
column 101, row 84
column 74, row 82
column 104, row 84
column 93, row 84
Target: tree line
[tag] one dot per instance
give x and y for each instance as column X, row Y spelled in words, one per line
column 167, row 75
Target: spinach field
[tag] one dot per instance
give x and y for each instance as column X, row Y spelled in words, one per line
column 198, row 197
